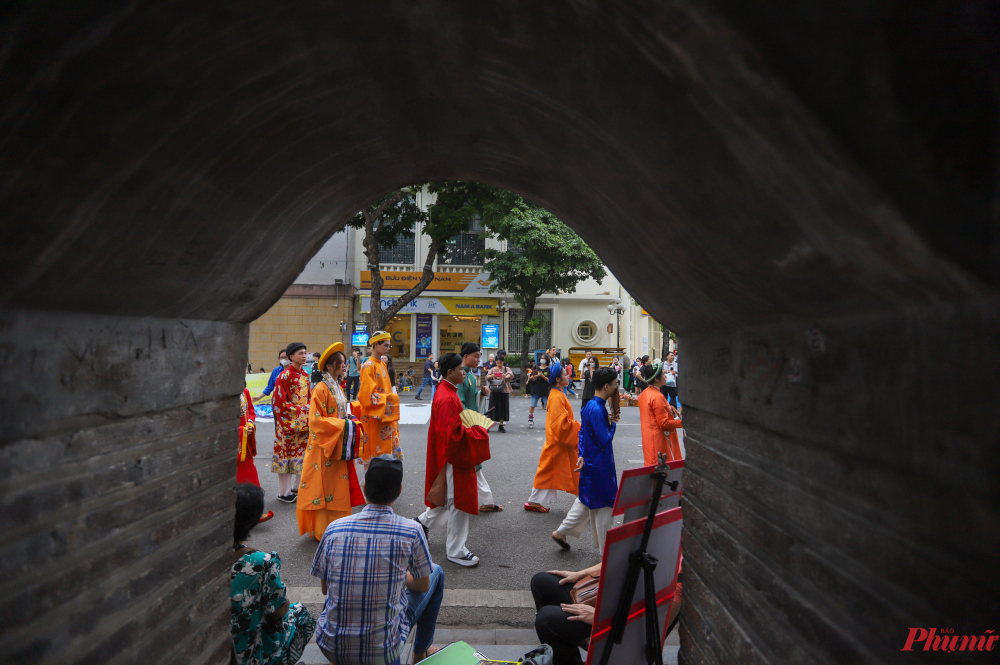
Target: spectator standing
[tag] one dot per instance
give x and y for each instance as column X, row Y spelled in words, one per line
column 282, row 364
column 353, row 375
column 570, row 372
column 670, row 379
column 378, row 578
column 585, row 362
column 498, row 379
column 539, row 388
column 588, row 383
column 428, row 377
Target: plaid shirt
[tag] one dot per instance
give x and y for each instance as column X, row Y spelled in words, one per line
column 364, row 559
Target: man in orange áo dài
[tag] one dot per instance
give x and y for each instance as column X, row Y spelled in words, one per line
column 329, row 487
column 659, row 420
column 377, row 406
column 557, row 465
column 453, row 451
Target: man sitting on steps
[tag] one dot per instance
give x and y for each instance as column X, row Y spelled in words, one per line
column 378, row 579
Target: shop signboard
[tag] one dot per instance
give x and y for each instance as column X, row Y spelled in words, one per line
column 456, row 282
column 360, row 335
column 424, row 335
column 491, row 336
column 441, row 305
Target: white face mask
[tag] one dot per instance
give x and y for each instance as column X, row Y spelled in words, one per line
column 284, row 362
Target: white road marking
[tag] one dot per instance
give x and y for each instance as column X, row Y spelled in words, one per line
column 414, row 414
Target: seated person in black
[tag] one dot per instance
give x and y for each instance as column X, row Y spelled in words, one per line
column 560, row 623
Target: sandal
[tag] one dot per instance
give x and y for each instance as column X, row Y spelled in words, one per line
column 490, row 509
column 562, row 543
column 536, row 509
column 431, row 650
column 266, row 517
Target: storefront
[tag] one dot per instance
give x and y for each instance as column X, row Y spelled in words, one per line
column 438, row 324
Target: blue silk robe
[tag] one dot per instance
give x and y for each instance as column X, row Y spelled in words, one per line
column 598, row 479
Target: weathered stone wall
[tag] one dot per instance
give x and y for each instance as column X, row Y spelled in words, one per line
column 116, row 469
column 842, row 486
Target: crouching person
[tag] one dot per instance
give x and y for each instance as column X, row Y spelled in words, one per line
column 378, row 578
column 561, row 623
column 266, row 629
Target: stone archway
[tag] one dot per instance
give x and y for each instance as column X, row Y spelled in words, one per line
column 782, row 193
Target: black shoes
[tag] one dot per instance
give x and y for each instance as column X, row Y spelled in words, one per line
column 501, row 429
column 288, row 498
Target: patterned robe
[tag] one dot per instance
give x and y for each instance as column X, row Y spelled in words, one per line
column 329, row 485
column 246, row 471
column 291, row 420
column 378, row 409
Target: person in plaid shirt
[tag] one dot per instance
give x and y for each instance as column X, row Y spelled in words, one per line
column 378, row 579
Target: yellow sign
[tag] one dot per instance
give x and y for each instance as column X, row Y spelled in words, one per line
column 464, row 282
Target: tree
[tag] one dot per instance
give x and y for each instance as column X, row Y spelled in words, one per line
column 543, row 256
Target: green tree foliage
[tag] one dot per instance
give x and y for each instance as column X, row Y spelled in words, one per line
column 543, row 256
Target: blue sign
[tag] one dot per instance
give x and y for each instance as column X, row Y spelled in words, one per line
column 491, row 336
column 360, row 336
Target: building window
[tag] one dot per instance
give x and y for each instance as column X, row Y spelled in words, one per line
column 586, row 332
column 515, row 330
column 464, row 249
column 403, row 252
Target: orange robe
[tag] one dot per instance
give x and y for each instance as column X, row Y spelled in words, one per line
column 556, row 467
column 378, row 409
column 659, row 428
column 329, row 485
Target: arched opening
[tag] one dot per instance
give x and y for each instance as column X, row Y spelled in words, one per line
column 168, row 170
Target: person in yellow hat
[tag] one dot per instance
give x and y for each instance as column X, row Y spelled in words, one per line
column 377, row 406
column 329, row 485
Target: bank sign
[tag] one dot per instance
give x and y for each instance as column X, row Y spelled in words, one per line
column 455, row 282
column 442, row 305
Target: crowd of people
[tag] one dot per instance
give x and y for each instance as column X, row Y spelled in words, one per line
column 337, row 446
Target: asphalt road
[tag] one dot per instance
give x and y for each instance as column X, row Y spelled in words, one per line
column 512, row 545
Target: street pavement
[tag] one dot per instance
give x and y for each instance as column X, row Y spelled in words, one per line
column 512, row 545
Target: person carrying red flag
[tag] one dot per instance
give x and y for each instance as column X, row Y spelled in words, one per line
column 453, row 451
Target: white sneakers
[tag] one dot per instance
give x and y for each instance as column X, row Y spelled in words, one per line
column 468, row 560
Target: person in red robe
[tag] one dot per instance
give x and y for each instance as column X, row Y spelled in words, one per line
column 246, row 470
column 453, row 451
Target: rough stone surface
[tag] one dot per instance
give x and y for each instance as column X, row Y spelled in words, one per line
column 805, row 191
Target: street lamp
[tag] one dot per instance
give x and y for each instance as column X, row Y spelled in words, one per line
column 615, row 307
column 502, row 308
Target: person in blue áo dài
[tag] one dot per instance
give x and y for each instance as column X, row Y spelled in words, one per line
column 598, row 478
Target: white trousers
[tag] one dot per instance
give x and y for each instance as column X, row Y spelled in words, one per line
column 579, row 516
column 454, row 519
column 544, row 497
column 483, row 487
column 287, row 482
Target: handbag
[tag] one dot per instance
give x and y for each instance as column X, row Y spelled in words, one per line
column 496, row 385
column 584, row 592
column 540, row 655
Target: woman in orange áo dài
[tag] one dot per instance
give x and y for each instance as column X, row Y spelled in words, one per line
column 659, row 420
column 557, row 465
column 329, row 488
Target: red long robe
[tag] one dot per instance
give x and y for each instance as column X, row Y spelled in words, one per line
column 451, row 442
column 246, row 471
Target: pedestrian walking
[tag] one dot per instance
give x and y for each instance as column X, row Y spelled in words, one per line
column 498, row 379
column 598, row 478
column 428, row 373
column 469, row 393
column 539, row 387
column 453, row 452
column 570, row 372
column 291, row 422
column 557, row 463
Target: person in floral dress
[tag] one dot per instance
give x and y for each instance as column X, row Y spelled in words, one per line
column 377, row 406
column 266, row 628
column 291, row 422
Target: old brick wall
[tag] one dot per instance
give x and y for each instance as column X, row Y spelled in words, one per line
column 842, row 486
column 314, row 321
column 116, row 469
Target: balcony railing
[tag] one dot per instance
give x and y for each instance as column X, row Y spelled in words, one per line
column 465, row 249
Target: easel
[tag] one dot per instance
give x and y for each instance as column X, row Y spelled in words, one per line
column 641, row 560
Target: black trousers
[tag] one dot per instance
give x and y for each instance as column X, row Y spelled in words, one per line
column 552, row 624
column 670, row 392
column 353, row 385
